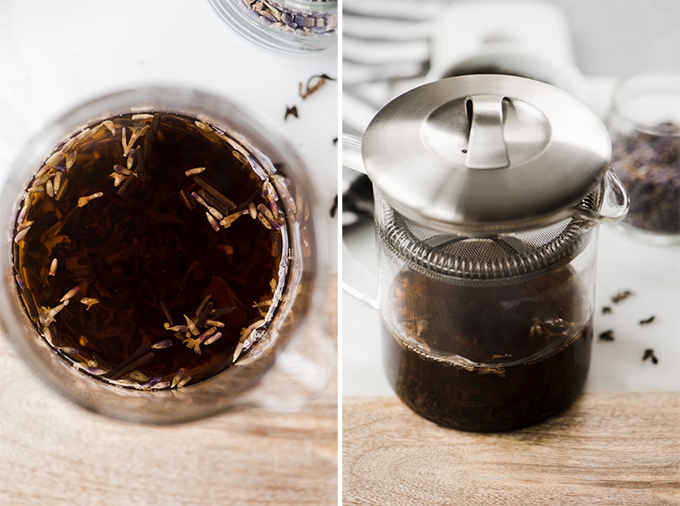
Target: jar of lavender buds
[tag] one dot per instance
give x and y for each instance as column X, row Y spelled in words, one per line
column 644, row 122
column 290, row 26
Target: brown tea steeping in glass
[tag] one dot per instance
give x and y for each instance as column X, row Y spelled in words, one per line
column 149, row 250
column 488, row 358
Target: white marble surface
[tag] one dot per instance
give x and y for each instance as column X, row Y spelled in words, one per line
column 54, row 55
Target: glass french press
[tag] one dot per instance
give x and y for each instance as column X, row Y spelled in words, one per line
column 489, row 190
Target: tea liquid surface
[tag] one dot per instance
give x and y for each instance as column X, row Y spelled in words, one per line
column 148, row 250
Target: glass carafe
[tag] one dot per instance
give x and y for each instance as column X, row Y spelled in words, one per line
column 489, row 191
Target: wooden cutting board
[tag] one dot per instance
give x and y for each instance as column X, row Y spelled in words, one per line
column 609, row 448
column 54, row 453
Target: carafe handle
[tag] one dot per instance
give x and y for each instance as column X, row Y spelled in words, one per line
column 615, row 202
column 351, row 159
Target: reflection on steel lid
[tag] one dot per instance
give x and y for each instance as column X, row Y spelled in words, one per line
column 485, row 149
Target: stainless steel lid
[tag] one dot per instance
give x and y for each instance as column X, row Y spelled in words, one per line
column 485, row 150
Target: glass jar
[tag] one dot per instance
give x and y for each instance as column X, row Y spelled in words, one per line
column 489, row 192
column 644, row 122
column 290, row 26
column 153, row 324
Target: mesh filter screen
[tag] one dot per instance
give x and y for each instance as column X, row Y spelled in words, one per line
column 495, row 260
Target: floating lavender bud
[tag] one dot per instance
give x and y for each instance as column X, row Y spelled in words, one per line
column 138, row 376
column 151, row 382
column 62, row 190
column 23, row 212
column 83, row 201
column 192, row 326
column 193, row 172
column 213, row 222
column 141, row 117
column 70, row 294
column 57, row 182
column 54, row 159
column 25, row 224
column 161, row 345
column 206, row 334
column 117, row 178
column 178, row 377
column 213, row 338
column 40, row 181
column 53, row 267
column 89, row 302
column 131, row 159
column 21, row 235
column 109, row 125
column 228, row 220
column 70, row 159
column 183, row 381
column 178, row 328
column 199, row 199
column 122, row 170
column 267, row 224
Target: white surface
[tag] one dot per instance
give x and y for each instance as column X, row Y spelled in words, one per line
column 651, row 272
column 506, row 35
column 54, row 55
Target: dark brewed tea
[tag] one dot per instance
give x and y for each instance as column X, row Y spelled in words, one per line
column 148, row 250
column 488, row 358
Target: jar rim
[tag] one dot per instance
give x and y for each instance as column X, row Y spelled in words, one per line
column 643, row 87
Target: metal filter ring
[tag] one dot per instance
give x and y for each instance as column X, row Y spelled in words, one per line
column 519, row 262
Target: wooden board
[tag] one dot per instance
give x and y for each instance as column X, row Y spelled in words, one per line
column 609, row 448
column 54, row 453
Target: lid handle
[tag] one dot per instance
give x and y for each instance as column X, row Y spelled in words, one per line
column 486, row 147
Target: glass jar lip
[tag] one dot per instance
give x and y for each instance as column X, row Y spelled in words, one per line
column 249, row 26
column 637, row 84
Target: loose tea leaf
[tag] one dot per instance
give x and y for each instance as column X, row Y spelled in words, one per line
column 291, row 111
column 649, row 353
column 607, row 335
column 623, row 295
column 110, row 263
column 314, row 84
column 647, row 320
